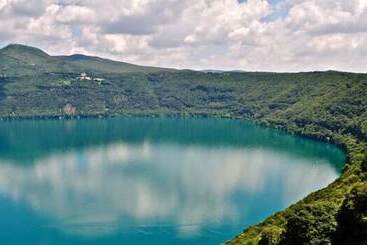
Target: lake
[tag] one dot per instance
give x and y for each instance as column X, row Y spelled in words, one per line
column 150, row 180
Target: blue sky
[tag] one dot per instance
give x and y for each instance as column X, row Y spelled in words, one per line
column 279, row 11
column 269, row 35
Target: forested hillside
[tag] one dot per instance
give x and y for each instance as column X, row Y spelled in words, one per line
column 330, row 106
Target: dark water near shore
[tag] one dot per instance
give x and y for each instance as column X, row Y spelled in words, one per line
column 150, row 181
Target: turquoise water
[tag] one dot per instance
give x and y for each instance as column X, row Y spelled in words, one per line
column 150, row 180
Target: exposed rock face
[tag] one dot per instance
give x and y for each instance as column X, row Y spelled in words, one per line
column 69, row 109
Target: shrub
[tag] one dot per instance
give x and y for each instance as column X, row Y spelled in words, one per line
column 352, row 217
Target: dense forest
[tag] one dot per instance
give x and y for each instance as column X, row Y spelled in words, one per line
column 329, row 106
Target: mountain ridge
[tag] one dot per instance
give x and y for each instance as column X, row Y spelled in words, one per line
column 31, row 58
column 22, row 49
column 328, row 106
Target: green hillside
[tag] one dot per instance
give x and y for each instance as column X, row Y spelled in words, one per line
column 16, row 59
column 329, row 106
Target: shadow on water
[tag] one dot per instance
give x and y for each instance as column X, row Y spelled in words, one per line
column 25, row 141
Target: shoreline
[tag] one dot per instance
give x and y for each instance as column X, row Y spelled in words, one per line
column 252, row 233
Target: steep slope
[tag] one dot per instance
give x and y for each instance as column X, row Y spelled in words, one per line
column 329, row 106
column 99, row 65
column 24, row 54
column 18, row 60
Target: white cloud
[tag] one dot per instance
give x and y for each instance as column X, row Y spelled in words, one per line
column 290, row 35
column 72, row 14
column 24, row 8
column 2, row 4
column 185, row 187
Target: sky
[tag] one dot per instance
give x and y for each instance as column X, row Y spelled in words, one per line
column 251, row 35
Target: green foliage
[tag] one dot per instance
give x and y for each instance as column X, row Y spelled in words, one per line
column 19, row 60
column 271, row 235
column 352, row 217
column 309, row 224
column 329, row 106
column 63, row 82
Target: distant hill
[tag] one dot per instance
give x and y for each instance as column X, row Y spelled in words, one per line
column 329, row 106
column 220, row 71
column 213, row 71
column 16, row 59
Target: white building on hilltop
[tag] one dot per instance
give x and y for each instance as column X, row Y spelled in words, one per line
column 83, row 76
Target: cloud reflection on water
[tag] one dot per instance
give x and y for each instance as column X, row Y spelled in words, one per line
column 100, row 190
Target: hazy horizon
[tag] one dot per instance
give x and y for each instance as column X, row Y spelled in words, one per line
column 202, row 70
